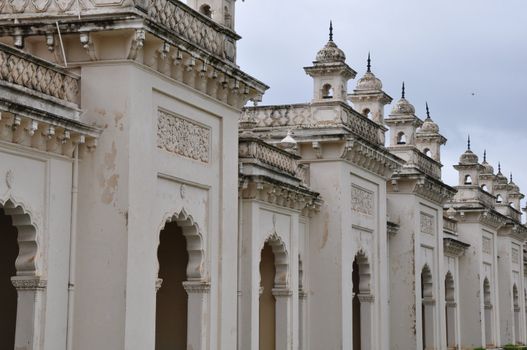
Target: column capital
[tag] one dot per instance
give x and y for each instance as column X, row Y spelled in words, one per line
column 196, row 287
column 159, row 283
column 366, row 298
column 33, row 283
column 429, row 301
column 282, row 292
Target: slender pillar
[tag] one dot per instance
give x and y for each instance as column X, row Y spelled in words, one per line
column 198, row 301
column 451, row 323
column 366, row 310
column 283, row 298
column 429, row 321
column 30, row 312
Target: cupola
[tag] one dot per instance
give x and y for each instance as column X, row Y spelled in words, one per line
column 469, row 168
column 428, row 139
column 368, row 97
column 487, row 177
column 330, row 73
column 403, row 122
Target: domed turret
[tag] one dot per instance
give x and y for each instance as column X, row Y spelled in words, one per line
column 513, row 187
column 403, row 106
column 469, row 157
column 500, row 178
column 330, row 53
column 489, row 169
column 369, row 81
column 428, row 138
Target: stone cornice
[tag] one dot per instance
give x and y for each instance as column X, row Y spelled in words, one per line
column 454, row 248
column 280, row 194
column 424, row 186
column 484, row 216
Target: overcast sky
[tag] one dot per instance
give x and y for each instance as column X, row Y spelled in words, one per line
column 467, row 58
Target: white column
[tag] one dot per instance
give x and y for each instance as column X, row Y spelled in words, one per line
column 283, row 330
column 366, row 318
column 451, row 318
column 197, row 321
column 429, row 322
column 302, row 324
column 30, row 312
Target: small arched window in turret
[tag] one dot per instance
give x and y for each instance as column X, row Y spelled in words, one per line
column 427, row 152
column 401, row 138
column 327, row 91
column 366, row 112
column 511, row 204
column 484, row 188
column 499, row 198
column 205, row 10
column 468, row 180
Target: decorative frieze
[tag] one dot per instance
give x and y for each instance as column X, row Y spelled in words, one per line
column 362, row 201
column 427, row 224
column 453, row 247
column 28, row 283
column 196, row 287
column 183, row 137
column 515, row 255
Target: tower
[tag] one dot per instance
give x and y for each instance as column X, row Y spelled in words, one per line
column 469, row 170
column 368, row 97
column 428, row 138
column 403, row 123
column 330, row 73
column 220, row 11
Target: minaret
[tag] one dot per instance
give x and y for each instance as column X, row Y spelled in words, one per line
column 368, row 97
column 501, row 187
column 403, row 122
column 220, row 11
column 330, row 73
column 428, row 139
column 515, row 196
column 487, row 177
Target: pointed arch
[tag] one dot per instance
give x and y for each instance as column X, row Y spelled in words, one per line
column 194, row 241
column 27, row 262
column 364, row 271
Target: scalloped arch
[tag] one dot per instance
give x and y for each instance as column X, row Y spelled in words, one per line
column 281, row 260
column 26, row 263
column 364, row 271
column 194, row 239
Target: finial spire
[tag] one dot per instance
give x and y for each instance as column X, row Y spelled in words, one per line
column 427, row 111
column 510, row 177
column 499, row 167
column 330, row 30
column 403, row 91
column 468, row 142
column 484, row 156
column 369, row 63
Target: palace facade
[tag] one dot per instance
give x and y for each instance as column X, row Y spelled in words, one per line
column 143, row 206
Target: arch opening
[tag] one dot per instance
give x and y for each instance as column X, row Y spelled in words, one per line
column 401, row 138
column 267, row 312
column 468, row 180
column 361, row 292
column 327, row 91
column 427, row 152
column 205, row 10
column 499, row 199
column 484, row 188
column 8, row 294
column 427, row 308
column 450, row 311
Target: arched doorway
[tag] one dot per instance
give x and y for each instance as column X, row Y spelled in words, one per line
column 516, row 305
column 450, row 311
column 172, row 300
column 8, row 293
column 487, row 304
column 267, row 333
column 427, row 308
column 274, row 329
column 361, row 303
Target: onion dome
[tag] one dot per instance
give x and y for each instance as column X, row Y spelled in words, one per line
column 369, row 81
column 513, row 187
column 469, row 157
column 403, row 106
column 330, row 52
column 489, row 169
column 429, row 127
column 500, row 178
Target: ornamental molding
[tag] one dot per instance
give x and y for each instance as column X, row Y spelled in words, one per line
column 431, row 189
column 427, row 224
column 22, row 283
column 366, row 298
column 196, row 287
column 282, row 292
column 453, row 247
column 515, row 255
column 283, row 195
column 486, row 245
column 183, row 137
column 369, row 158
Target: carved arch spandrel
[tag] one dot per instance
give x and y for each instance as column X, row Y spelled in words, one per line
column 364, row 271
column 195, row 246
column 281, row 260
column 26, row 263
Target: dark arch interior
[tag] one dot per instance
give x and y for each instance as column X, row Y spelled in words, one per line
column 8, row 294
column 355, row 277
column 267, row 312
column 171, row 303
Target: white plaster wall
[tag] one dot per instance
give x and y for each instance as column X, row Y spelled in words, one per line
column 41, row 185
column 132, row 187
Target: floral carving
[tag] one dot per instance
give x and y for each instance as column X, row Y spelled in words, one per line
column 362, row 200
column 486, row 245
column 427, row 224
column 183, row 137
column 515, row 256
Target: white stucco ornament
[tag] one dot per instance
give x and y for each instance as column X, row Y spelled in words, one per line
column 9, row 178
column 183, row 191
